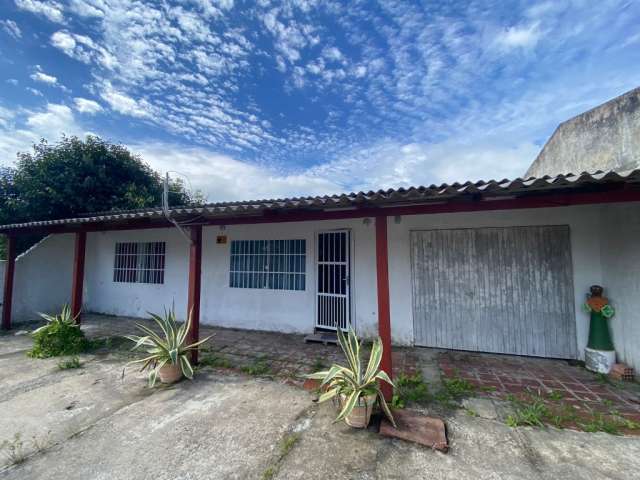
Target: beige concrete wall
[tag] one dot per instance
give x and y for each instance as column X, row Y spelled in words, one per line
column 605, row 138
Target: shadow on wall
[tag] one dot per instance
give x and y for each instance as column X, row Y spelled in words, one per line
column 42, row 281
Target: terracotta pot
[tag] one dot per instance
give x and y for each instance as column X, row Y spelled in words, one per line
column 361, row 413
column 170, row 373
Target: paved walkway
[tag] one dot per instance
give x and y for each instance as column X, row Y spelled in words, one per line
column 285, row 355
column 93, row 423
column 555, row 381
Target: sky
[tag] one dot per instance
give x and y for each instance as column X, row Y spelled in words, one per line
column 265, row 99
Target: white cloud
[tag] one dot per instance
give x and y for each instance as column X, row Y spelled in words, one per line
column 35, row 91
column 222, row 177
column 11, row 28
column 22, row 128
column 12, row 81
column 84, row 105
column 124, row 104
column 391, row 164
column 332, row 53
column 64, row 41
column 44, row 78
column 88, row 8
column 519, row 37
column 50, row 9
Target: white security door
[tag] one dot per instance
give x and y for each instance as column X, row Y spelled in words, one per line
column 334, row 270
column 503, row 290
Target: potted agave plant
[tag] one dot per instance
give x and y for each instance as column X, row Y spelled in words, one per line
column 356, row 389
column 167, row 357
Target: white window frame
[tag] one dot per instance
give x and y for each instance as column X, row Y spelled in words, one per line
column 139, row 262
column 265, row 264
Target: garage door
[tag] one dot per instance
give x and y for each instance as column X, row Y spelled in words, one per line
column 504, row 290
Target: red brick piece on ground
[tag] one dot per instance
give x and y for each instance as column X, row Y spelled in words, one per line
column 418, row 428
column 311, row 384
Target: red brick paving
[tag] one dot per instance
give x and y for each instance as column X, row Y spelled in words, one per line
column 499, row 376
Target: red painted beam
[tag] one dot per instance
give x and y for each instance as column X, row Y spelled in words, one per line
column 195, row 274
column 78, row 275
column 8, row 282
column 384, row 310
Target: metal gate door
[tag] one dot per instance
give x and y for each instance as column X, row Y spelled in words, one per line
column 334, row 269
column 504, row 290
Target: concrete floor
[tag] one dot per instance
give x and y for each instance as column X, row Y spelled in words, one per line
column 91, row 423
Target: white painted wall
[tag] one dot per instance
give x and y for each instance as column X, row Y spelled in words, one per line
column 585, row 245
column 103, row 295
column 43, row 276
column 603, row 240
column 260, row 309
column 287, row 311
column 620, row 233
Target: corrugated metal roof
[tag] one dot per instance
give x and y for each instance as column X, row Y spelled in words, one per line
column 390, row 197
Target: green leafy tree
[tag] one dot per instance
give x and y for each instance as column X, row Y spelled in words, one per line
column 77, row 176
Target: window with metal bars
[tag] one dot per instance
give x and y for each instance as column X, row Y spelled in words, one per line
column 271, row 264
column 139, row 262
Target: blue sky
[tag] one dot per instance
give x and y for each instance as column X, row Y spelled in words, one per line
column 262, row 99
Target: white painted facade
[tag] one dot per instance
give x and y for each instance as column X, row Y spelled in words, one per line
column 42, row 281
column 603, row 244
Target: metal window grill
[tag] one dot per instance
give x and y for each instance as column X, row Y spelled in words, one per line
column 333, row 264
column 271, row 264
column 139, row 262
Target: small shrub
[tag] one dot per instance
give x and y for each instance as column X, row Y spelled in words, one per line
column 70, row 363
column 60, row 336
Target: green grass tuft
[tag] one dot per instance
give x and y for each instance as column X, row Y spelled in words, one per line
column 258, row 367
column 70, row 363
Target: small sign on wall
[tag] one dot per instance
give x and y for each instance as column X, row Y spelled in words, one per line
column 221, row 240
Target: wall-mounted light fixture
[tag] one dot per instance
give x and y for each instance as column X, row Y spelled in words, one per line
column 366, row 221
column 397, row 219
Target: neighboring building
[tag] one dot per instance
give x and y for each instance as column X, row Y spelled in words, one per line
column 604, row 138
column 496, row 267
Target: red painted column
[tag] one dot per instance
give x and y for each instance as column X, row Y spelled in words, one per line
column 195, row 269
column 384, row 312
column 7, row 297
column 78, row 275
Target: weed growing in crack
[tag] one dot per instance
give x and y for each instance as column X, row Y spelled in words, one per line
column 555, row 395
column 533, row 415
column 318, row 365
column 286, row 445
column 70, row 363
column 453, row 389
column 215, row 361
column 535, row 410
column 410, row 389
column 258, row 367
column 14, row 450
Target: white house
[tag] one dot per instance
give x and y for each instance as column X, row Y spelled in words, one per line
column 494, row 267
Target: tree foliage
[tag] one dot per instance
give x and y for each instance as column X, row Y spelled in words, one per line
column 77, row 176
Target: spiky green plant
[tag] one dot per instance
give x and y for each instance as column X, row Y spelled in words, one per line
column 61, row 335
column 353, row 381
column 167, row 347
